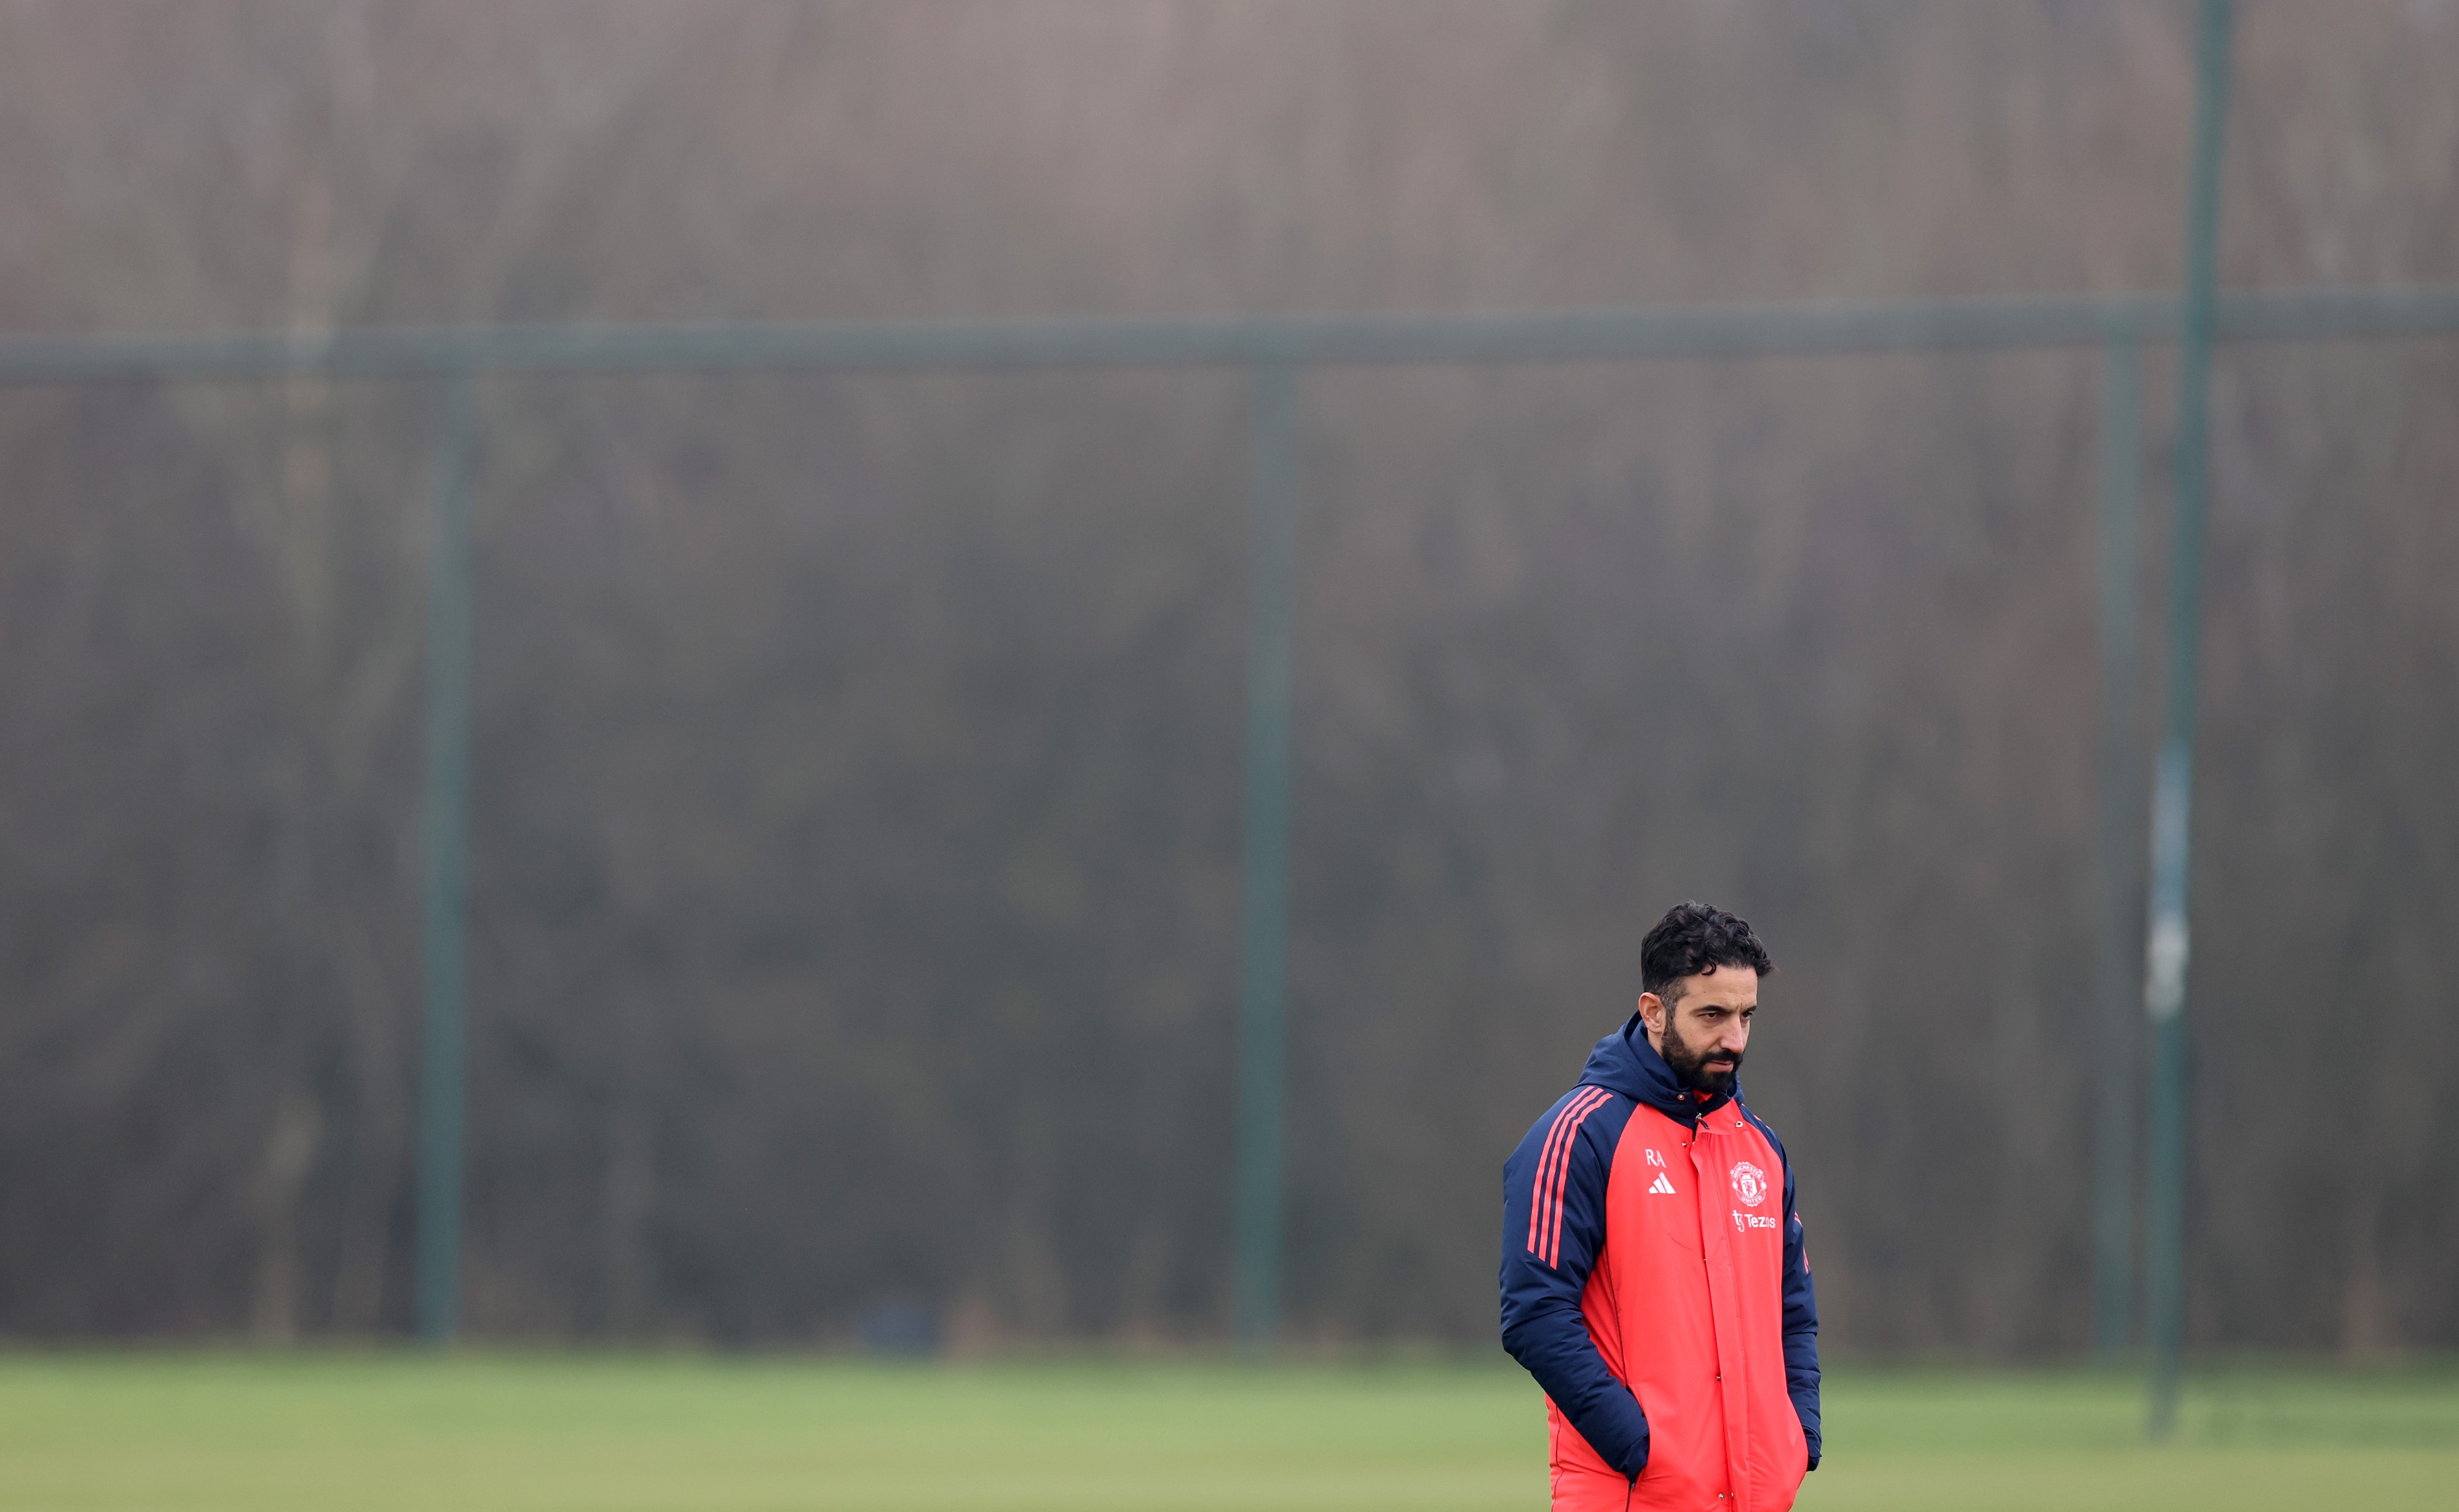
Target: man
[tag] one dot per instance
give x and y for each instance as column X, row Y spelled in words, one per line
column 1653, row 1279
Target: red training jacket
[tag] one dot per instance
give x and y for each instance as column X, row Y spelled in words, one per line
column 1656, row 1284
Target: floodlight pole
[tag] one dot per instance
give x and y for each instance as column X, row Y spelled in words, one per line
column 2168, row 949
column 1262, row 953
column 2121, row 853
column 443, row 836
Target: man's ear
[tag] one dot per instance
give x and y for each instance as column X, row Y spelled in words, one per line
column 1652, row 1012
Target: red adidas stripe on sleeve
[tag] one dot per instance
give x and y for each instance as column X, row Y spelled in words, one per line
column 1554, row 1230
column 1553, row 1165
column 1545, row 1166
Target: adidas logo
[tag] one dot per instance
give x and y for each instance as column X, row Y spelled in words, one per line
column 1661, row 1184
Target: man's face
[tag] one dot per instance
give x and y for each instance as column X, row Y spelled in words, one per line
column 1704, row 1031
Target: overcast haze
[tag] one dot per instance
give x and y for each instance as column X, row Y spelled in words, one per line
column 857, row 791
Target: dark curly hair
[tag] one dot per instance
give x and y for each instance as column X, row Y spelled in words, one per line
column 1691, row 939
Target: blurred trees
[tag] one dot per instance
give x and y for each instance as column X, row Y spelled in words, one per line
column 856, row 805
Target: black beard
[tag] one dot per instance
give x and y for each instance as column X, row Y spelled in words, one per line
column 1691, row 1069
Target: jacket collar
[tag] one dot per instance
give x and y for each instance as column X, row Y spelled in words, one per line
column 1624, row 1061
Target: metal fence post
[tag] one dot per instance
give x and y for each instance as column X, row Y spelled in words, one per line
column 2168, row 949
column 2121, row 853
column 444, row 835
column 1262, row 955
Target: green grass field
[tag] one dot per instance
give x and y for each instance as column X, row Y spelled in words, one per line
column 272, row 1432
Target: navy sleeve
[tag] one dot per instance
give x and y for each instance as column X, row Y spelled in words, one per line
column 1553, row 1229
column 1801, row 1311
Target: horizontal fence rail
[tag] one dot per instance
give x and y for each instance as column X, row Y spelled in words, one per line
column 1706, row 330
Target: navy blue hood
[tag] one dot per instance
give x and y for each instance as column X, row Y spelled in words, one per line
column 1624, row 1061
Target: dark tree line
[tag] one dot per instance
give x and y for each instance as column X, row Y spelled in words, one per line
column 856, row 813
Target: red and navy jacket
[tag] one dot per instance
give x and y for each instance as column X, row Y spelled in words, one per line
column 1645, row 1278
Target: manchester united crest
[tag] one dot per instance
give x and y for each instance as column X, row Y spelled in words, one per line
column 1750, row 1183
